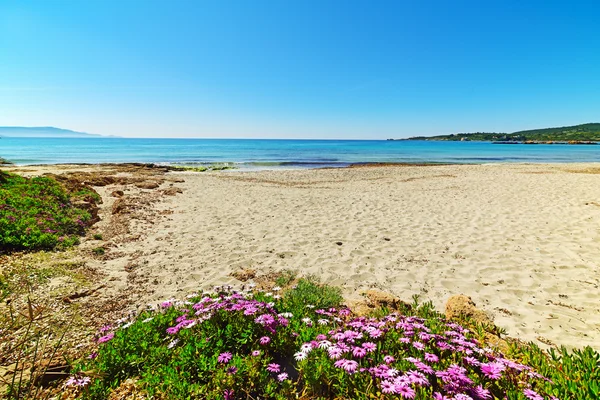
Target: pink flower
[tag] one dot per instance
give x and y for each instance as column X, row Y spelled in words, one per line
column 471, row 360
column 232, row 370
column 418, row 345
column 388, row 359
column 387, row 387
column 405, row 391
column 334, row 352
column 256, row 353
column 492, row 370
column 369, row 346
column 106, row 338
column 273, row 367
column 431, row 357
column 345, row 312
column 417, row 378
column 224, row 357
column 375, row 333
column 172, row 330
column 424, row 367
column 282, row 377
column 349, row 366
column 78, row 381
column 359, row 352
column 482, row 393
column 264, row 340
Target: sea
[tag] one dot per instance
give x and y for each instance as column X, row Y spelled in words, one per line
column 282, row 154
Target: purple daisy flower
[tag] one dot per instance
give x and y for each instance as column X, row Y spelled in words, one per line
column 232, row 370
column 273, row 367
column 387, row 387
column 334, row 352
column 359, row 352
column 264, row 340
column 492, row 370
column 224, row 358
column 282, row 377
column 405, row 391
column 106, row 338
column 172, row 330
column 369, row 346
column 418, row 345
column 350, row 366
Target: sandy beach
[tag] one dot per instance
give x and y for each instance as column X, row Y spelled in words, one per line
column 523, row 241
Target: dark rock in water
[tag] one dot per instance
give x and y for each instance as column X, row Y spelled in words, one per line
column 339, row 243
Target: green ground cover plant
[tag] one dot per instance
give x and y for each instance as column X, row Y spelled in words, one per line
column 279, row 344
column 38, row 213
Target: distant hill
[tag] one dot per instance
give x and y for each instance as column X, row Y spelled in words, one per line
column 46, row 132
column 583, row 132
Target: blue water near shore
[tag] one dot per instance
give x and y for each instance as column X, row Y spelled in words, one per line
column 271, row 154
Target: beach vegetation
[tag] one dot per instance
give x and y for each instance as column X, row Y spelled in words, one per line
column 97, row 236
column 301, row 342
column 39, row 213
column 99, row 251
column 285, row 277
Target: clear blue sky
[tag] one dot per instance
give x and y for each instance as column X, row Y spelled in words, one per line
column 298, row 69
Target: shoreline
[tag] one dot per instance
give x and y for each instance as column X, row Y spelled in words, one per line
column 178, row 166
column 520, row 239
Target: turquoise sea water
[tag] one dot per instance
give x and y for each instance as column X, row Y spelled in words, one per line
column 255, row 153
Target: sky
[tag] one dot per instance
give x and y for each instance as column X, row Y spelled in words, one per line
column 298, row 69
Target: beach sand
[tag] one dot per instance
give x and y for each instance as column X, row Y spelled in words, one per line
column 523, row 241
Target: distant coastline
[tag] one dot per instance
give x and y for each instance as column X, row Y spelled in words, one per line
column 43, row 132
column 584, row 134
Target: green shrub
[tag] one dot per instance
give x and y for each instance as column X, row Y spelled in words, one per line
column 97, row 236
column 99, row 251
column 574, row 374
column 256, row 344
column 308, row 292
column 38, row 213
